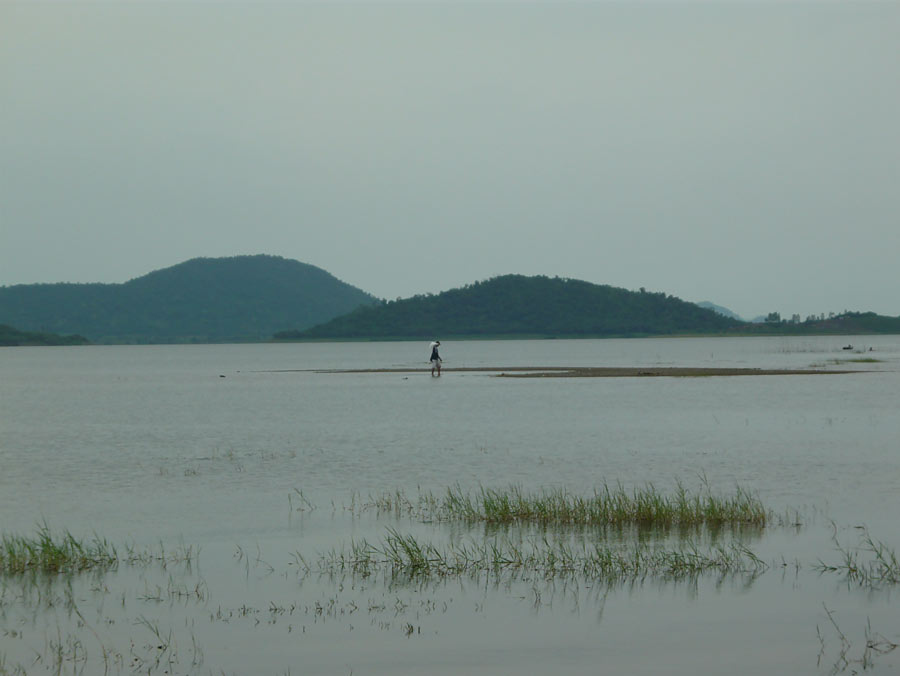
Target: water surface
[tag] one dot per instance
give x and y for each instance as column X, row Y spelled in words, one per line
column 205, row 444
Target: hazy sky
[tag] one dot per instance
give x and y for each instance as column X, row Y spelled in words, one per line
column 746, row 153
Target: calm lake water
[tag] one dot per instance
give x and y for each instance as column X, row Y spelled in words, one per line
column 250, row 454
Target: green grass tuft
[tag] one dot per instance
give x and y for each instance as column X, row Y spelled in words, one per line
column 47, row 553
column 608, row 505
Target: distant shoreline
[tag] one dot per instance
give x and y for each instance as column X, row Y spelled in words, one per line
column 767, row 333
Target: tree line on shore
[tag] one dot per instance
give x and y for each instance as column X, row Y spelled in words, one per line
column 10, row 336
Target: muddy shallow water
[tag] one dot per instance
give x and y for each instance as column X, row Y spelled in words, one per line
column 254, row 456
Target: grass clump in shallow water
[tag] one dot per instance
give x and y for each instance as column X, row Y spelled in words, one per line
column 47, row 553
column 609, row 505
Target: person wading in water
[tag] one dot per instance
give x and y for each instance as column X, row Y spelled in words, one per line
column 435, row 358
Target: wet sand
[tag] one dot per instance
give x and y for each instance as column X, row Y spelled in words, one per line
column 605, row 371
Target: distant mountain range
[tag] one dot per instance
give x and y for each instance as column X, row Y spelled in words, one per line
column 244, row 298
column 258, row 298
column 514, row 305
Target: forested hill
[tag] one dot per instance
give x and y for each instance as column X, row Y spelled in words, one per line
column 525, row 306
column 201, row 300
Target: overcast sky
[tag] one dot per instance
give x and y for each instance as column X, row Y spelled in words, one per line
column 746, row 153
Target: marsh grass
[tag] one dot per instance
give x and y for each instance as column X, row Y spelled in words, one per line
column 858, row 360
column 49, row 553
column 608, row 505
column 403, row 554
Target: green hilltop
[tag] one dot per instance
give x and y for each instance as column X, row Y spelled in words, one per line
column 242, row 298
column 516, row 305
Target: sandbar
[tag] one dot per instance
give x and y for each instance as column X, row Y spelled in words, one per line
column 605, row 371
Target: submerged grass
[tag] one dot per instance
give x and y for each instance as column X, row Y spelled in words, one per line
column 608, row 505
column 882, row 568
column 403, row 554
column 875, row 645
